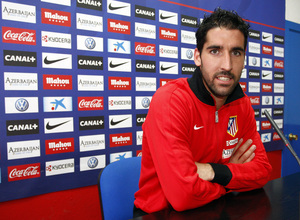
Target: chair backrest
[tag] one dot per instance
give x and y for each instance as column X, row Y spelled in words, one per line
column 117, row 184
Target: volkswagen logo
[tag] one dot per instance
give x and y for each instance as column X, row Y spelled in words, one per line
column 254, row 61
column 145, row 102
column 22, row 105
column 189, row 54
column 90, row 43
column 92, row 162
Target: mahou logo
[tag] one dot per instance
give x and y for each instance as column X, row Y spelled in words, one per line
column 18, row 36
column 55, row 17
column 279, row 64
column 243, row 86
column 56, row 146
column 117, row 140
column 267, row 87
column 117, row 26
column 119, row 83
column 57, row 82
column 265, row 125
column 255, row 100
column 144, row 49
column 26, row 171
column 90, row 103
column 168, row 34
column 162, row 82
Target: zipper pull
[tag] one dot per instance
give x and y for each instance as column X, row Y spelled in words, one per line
column 216, row 117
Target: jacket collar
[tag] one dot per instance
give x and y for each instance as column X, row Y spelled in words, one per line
column 198, row 88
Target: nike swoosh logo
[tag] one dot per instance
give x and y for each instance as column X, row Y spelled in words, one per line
column 111, row 65
column 197, row 128
column 165, row 17
column 166, row 68
column 264, row 75
column 265, row 37
column 50, row 127
column 115, row 8
column 112, row 122
column 46, row 61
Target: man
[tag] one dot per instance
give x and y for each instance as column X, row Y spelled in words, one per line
column 200, row 140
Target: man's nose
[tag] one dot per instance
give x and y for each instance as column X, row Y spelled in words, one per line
column 226, row 62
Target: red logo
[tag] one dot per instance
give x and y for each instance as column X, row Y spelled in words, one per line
column 168, row 34
column 265, row 125
column 255, row 100
column 117, row 140
column 162, row 82
column 55, row 17
column 56, row 146
column 279, row 64
column 90, row 103
column 118, row 26
column 144, row 49
column 267, row 87
column 267, row 50
column 57, row 82
column 119, row 83
column 139, row 153
column 244, row 86
column 18, row 36
column 22, row 172
column 276, row 137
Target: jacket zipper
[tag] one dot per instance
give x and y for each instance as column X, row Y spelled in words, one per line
column 217, row 117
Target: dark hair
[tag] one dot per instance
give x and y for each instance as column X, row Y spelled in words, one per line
column 221, row 18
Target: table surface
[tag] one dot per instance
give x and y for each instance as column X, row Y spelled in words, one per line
column 278, row 199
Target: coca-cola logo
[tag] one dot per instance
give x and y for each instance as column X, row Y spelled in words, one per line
column 255, row 100
column 19, row 36
column 144, row 49
column 90, row 103
column 26, row 171
column 279, row 64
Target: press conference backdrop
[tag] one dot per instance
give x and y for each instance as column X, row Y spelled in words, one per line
column 78, row 78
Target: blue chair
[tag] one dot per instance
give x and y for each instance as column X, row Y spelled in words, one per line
column 117, row 184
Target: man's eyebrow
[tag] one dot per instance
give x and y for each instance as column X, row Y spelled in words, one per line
column 238, row 48
column 219, row 47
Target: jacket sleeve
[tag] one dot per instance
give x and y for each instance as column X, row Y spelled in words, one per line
column 166, row 129
column 254, row 174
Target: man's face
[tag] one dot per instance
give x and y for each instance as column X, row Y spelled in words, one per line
column 221, row 60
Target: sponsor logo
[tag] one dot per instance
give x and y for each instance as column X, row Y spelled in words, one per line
column 119, row 83
column 266, row 74
column 254, row 47
column 232, row 127
column 267, row 87
column 255, row 100
column 120, row 156
column 139, row 137
column 57, row 40
column 57, row 146
column 145, row 30
column 267, row 37
column 58, row 104
column 142, row 102
column 92, row 163
column 90, row 83
column 168, row 51
column 19, row 58
column 266, row 137
column 254, row 61
column 145, row 84
column 278, row 87
column 89, row 62
column 278, row 51
column 91, row 123
column 278, row 100
column 91, row 142
column 257, row 125
column 231, row 142
column 187, row 54
column 187, row 68
column 119, row 64
column 144, row 49
column 267, row 50
column 118, row 26
column 23, row 149
column 90, row 103
column 57, row 82
column 54, row 17
column 18, row 12
column 118, row 140
column 279, row 39
column 26, row 171
column 120, row 121
column 145, row 66
column 188, row 37
column 189, row 21
column 279, row 75
column 168, row 17
column 244, row 73
column 227, row 153
column 278, row 111
column 119, row 102
column 276, row 137
column 118, row 46
column 267, row 100
column 21, row 105
column 89, row 43
column 119, row 8
column 163, row 82
column 58, row 167
column 279, row 64
column 140, row 119
column 58, row 125
column 168, row 68
column 243, row 86
column 20, row 81
column 279, row 123
column 254, row 34
column 168, row 34
column 89, row 22
column 254, row 73
column 57, row 60
column 22, row 127
column 267, row 63
column 94, row 4
column 144, row 12
column 256, row 113
column 18, row 36
column 263, row 112
column 265, row 125
column 254, row 87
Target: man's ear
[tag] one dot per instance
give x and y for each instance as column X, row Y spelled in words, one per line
column 197, row 58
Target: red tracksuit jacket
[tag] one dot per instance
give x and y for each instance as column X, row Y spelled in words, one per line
column 183, row 126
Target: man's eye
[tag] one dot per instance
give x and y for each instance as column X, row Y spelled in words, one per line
column 236, row 53
column 214, row 51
